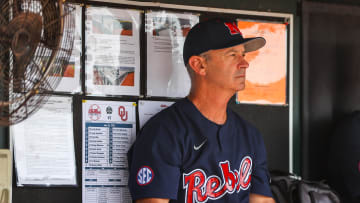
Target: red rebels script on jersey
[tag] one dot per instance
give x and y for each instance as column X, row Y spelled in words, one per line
column 200, row 188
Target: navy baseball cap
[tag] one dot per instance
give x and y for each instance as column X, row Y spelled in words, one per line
column 217, row 34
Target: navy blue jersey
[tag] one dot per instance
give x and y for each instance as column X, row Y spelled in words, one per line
column 181, row 155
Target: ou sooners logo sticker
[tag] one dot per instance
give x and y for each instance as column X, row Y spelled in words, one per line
column 144, row 176
column 123, row 113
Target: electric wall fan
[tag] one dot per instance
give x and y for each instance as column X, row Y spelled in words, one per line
column 36, row 41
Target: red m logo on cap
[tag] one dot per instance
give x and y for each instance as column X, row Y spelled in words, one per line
column 233, row 28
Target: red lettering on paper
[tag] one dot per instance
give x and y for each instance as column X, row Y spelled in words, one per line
column 123, row 113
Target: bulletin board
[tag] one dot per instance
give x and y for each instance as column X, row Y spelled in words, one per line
column 272, row 121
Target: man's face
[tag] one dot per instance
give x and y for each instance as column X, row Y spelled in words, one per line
column 226, row 68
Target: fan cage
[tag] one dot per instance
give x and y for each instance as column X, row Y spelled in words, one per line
column 36, row 41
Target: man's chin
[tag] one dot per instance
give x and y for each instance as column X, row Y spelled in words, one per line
column 240, row 87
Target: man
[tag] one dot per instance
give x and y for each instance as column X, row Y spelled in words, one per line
column 198, row 150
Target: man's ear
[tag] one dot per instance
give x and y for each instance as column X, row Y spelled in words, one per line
column 198, row 64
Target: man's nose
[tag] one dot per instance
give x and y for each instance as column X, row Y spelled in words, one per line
column 243, row 63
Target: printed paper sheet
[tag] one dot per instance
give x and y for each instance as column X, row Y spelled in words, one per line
column 44, row 145
column 166, row 72
column 112, row 51
column 148, row 109
column 109, row 129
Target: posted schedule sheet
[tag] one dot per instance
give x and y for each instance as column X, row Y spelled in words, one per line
column 44, row 145
column 109, row 129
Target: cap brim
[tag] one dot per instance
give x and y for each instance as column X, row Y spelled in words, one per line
column 253, row 44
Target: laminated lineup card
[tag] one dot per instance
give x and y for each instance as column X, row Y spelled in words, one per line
column 166, row 72
column 112, row 51
column 109, row 129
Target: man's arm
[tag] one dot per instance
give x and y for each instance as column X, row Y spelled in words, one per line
column 152, row 200
column 255, row 198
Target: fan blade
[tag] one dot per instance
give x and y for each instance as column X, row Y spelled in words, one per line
column 47, row 45
column 44, row 4
column 16, row 5
column 57, row 49
column 4, row 39
column 25, row 30
column 50, row 17
column 7, row 50
column 3, row 20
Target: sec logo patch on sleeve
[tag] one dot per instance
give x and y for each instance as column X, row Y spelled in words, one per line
column 145, row 175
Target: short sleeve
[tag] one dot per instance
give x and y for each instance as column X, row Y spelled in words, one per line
column 154, row 163
column 260, row 179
